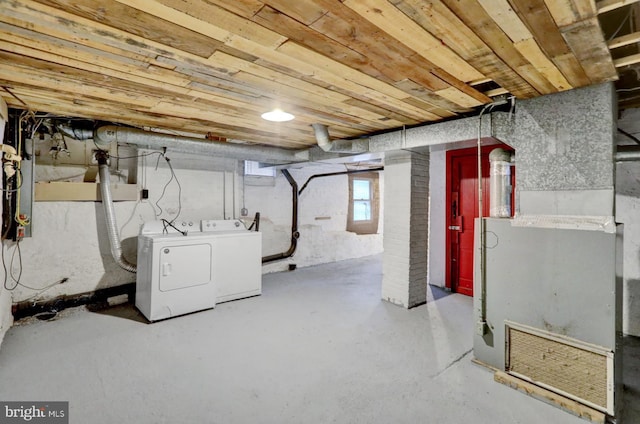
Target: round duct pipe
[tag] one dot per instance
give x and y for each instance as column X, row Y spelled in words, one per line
column 274, row 155
column 110, row 214
column 500, row 183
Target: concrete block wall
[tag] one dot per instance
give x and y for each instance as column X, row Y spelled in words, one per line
column 406, row 222
column 70, row 238
column 322, row 219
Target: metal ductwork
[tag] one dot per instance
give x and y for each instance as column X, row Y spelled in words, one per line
column 627, row 153
column 500, row 183
column 157, row 141
column 75, row 133
column 110, row 215
column 321, row 131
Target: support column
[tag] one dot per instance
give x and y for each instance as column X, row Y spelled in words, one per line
column 406, row 218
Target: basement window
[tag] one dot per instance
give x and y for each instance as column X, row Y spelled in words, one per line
column 364, row 200
column 255, row 168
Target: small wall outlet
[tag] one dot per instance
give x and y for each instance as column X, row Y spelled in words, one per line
column 144, row 194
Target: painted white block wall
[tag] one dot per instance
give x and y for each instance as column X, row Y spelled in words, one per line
column 322, row 219
column 70, row 239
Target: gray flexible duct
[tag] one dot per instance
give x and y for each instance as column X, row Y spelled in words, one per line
column 110, row 215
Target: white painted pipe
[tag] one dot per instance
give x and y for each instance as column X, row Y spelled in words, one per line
column 321, row 132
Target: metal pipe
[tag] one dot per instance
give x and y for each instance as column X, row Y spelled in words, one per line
column 500, row 183
column 295, row 235
column 75, row 133
column 330, row 174
column 110, row 215
column 153, row 140
column 481, row 324
column 321, row 132
column 627, row 153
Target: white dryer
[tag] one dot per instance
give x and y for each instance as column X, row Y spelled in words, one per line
column 175, row 274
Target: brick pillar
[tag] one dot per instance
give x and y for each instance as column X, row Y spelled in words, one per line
column 406, row 218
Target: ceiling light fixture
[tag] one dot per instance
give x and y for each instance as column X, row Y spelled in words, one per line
column 277, row 115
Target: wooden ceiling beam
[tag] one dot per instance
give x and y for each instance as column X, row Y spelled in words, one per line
column 604, row 6
column 624, row 40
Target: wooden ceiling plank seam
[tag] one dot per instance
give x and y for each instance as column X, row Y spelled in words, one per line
column 496, row 92
column 531, row 50
column 348, row 28
column 317, row 66
column 567, row 12
column 461, row 86
column 137, row 21
column 228, row 21
column 27, row 37
column 150, row 101
column 627, row 60
column 318, row 94
column 459, row 97
column 624, row 40
column 307, row 12
column 444, row 107
column 87, row 33
column 586, row 39
column 258, row 70
column 315, row 40
column 605, row 6
column 280, row 91
column 440, row 21
column 44, row 20
column 73, row 59
column 237, row 119
column 509, row 20
column 391, row 20
column 475, row 17
column 252, row 47
column 244, row 8
column 536, row 16
column 105, row 110
column 72, row 82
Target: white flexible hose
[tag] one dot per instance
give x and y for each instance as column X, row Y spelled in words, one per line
column 110, row 216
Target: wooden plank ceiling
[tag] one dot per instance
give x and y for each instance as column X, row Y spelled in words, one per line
column 358, row 66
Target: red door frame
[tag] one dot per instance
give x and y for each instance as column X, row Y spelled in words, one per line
column 451, row 154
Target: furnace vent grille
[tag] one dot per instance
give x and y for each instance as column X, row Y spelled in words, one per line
column 580, row 371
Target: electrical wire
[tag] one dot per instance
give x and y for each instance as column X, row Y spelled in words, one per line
column 626, row 18
column 170, row 224
column 173, row 177
column 17, row 281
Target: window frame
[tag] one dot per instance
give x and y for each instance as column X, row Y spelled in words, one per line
column 364, row 226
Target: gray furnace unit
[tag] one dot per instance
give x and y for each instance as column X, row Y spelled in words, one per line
column 550, row 309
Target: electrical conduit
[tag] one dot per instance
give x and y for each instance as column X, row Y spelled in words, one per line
column 110, row 215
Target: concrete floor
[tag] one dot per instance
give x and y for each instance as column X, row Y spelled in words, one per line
column 317, row 347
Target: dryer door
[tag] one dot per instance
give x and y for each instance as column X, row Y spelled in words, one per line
column 185, row 266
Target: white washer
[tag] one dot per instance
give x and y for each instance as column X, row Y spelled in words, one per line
column 237, row 259
column 175, row 274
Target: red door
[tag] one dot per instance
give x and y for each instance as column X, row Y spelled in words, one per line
column 462, row 204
